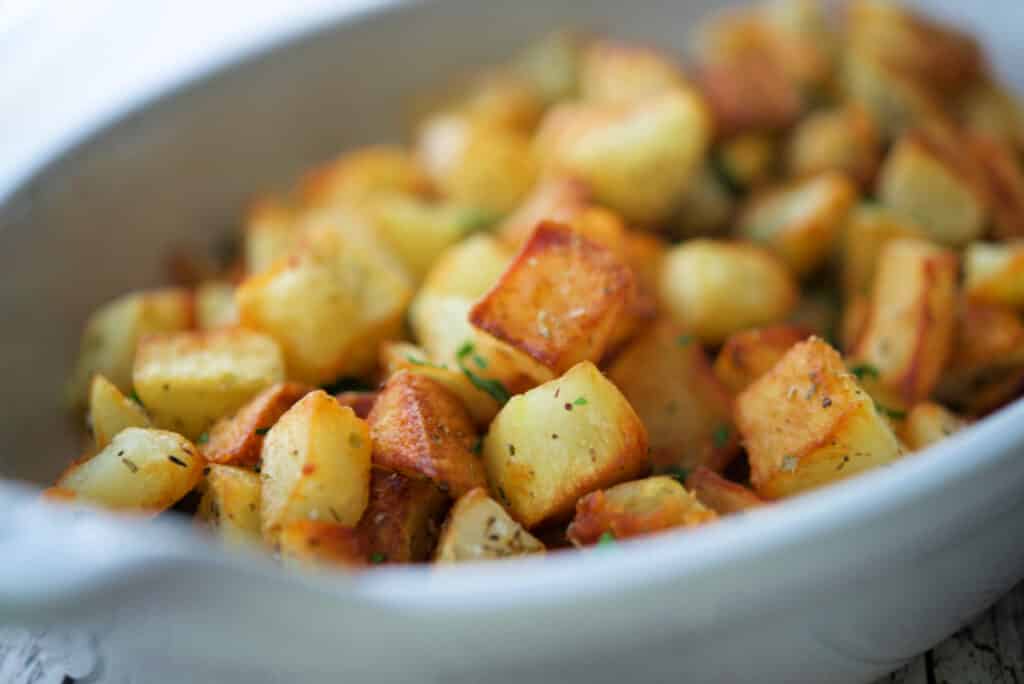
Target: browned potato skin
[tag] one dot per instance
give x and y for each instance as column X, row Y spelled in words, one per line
column 1005, row 182
column 317, row 542
column 238, row 439
column 721, row 495
column 908, row 334
column 928, row 423
column 354, row 176
column 749, row 354
column 559, row 300
column 360, row 402
column 748, row 95
column 636, row 508
column 403, row 519
column 422, row 430
column 556, row 198
column 667, row 379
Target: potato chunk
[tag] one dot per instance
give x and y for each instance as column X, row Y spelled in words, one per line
column 114, row 330
column 306, row 544
column 994, row 273
column 551, row 64
column 110, row 412
column 478, row 528
column 717, row 288
column 558, row 302
column 928, row 423
column 270, row 234
column 844, row 140
column 140, row 470
column 188, row 380
column 1004, row 179
column 215, row 305
column 316, row 466
column 801, row 222
column 328, row 306
column 638, row 157
column 358, row 175
column 749, row 354
column 666, row 377
column 561, row 440
column 615, row 71
column 403, row 519
column 238, row 439
column 807, row 423
column 868, row 229
column 635, row 508
column 908, row 334
column 719, row 494
column 422, row 430
column 230, row 505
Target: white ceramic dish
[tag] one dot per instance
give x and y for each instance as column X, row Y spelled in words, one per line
column 837, row 586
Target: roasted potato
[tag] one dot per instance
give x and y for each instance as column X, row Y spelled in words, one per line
column 561, row 440
column 666, row 377
column 215, row 305
column 749, row 354
column 498, row 96
column 305, row 544
column 707, row 206
column 635, row 508
column 422, row 430
column 714, row 288
column 844, row 139
column 361, row 403
column 994, row 273
column 746, row 160
column 807, row 422
column 988, row 109
column 315, row 466
column 615, row 71
column 477, row 528
column 403, row 519
column 238, row 439
column 551, row 64
column 230, row 505
column 1004, row 181
column 110, row 412
column 270, row 234
column 869, row 227
column 141, row 470
column 719, row 494
column 356, row 176
column 928, row 423
column 187, row 380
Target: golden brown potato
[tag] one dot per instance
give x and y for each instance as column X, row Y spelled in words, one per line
column 551, row 64
column 114, row 330
column 310, row 543
column 802, row 221
column 638, row 158
column 616, row 71
column 110, row 412
column 270, row 234
column 140, row 470
column 908, row 335
column 749, row 354
column 928, row 423
column 561, row 440
column 635, row 508
column 715, row 288
column 215, row 305
column 478, row 528
column 869, row 227
column 500, row 97
column 315, row 466
column 844, row 139
column 558, row 302
column 855, row 316
column 991, row 110
column 807, row 423
column 994, row 273
column 422, row 430
column 187, row 380
column 748, row 94
column 403, row 519
column 328, row 306
column 355, row 176
column 719, row 494
column 746, row 160
column 1004, row 179
column 238, row 439
column 666, row 377
column 230, row 505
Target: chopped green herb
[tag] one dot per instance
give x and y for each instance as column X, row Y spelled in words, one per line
column 203, row 438
column 492, row 387
column 864, row 370
column 262, row 431
column 720, row 437
column 678, row 473
column 423, row 362
column 684, row 340
column 580, row 401
column 895, row 414
column 606, row 539
column 135, row 397
column 377, row 558
column 467, row 349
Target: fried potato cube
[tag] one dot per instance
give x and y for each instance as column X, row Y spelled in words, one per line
column 306, row 544
column 110, row 412
column 1004, row 178
column 502, row 97
column 928, row 423
column 994, row 273
column 719, row 494
column 636, row 508
column 561, row 440
column 238, row 439
column 357, row 175
column 869, row 227
column 403, row 519
column 638, row 158
column 269, row 235
column 422, row 430
column 749, row 354
column 687, row 412
column 559, row 300
column 551, row 64
column 477, row 163
column 802, row 221
column 715, row 288
column 315, row 466
column 140, row 470
column 934, row 181
column 215, row 305
column 908, row 335
column 616, row 71
column 707, row 207
column 187, row 380
column 360, row 402
column 748, row 94
column 554, row 198
column 844, row 139
column 230, row 505
column 477, row 528
column 807, row 423
column 328, row 306
column 114, row 330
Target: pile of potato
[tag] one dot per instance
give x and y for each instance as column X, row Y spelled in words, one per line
column 599, row 294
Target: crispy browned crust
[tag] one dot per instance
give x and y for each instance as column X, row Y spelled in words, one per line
column 749, row 95
column 238, row 439
column 719, row 494
column 403, row 519
column 749, row 354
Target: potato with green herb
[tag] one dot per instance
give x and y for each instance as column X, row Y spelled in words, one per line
column 403, row 518
column 310, row 544
column 928, row 423
column 749, row 354
column 230, row 505
column 353, row 177
column 478, row 528
column 110, row 412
